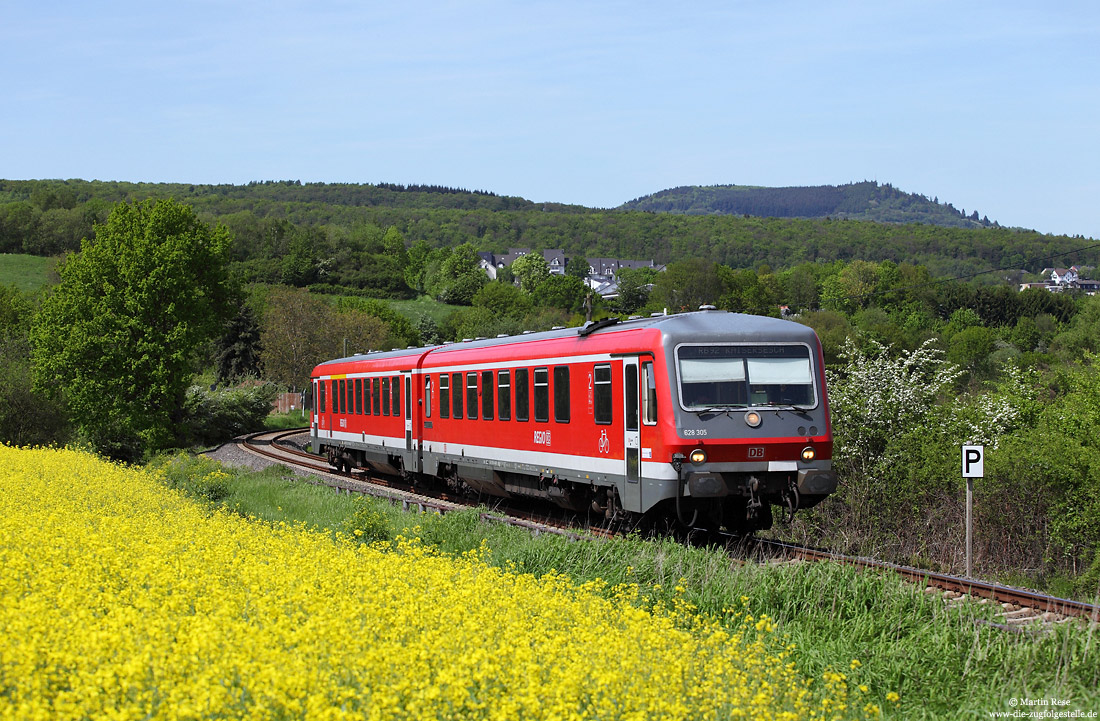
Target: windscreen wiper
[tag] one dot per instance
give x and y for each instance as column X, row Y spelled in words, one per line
column 724, row 409
column 777, row 409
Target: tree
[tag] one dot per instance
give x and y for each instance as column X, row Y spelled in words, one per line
column 503, row 300
column 634, row 285
column 560, row 291
column 417, row 262
column 800, row 289
column 18, row 225
column 878, row 397
column 237, row 351
column 292, row 335
column 748, row 292
column 26, row 417
column 457, row 277
column 117, row 337
column 688, row 284
column 299, row 265
column 970, row 349
column 577, row 267
column 301, row 330
column 530, row 270
column 853, row 287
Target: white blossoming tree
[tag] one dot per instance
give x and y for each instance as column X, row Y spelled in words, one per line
column 876, row 398
column 898, row 425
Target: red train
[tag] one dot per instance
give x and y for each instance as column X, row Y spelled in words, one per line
column 710, row 418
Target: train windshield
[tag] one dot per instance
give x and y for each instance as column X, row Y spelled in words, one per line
column 743, row 376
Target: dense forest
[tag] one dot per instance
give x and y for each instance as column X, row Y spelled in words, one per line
column 50, row 217
column 855, row 201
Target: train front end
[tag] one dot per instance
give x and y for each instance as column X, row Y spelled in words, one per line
column 750, row 425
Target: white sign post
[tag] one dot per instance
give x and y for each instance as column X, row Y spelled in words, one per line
column 973, row 466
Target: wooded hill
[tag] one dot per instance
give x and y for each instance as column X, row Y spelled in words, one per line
column 855, row 201
column 47, row 217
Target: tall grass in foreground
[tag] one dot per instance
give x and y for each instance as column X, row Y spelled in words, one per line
column 944, row 663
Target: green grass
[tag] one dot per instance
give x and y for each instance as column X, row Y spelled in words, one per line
column 293, row 419
column 424, row 305
column 945, row 663
column 26, row 272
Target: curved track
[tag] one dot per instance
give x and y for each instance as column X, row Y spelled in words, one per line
column 1022, row 608
column 274, row 446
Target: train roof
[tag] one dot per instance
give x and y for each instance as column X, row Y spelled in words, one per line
column 703, row 326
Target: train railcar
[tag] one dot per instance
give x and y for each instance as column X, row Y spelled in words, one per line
column 709, row 418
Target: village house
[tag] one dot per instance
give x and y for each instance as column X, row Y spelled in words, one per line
column 1059, row 280
column 601, row 271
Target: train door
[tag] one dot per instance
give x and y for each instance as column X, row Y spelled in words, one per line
column 324, row 398
column 315, row 412
column 632, row 493
column 408, row 412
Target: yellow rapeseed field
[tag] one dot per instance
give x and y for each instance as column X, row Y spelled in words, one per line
column 121, row 599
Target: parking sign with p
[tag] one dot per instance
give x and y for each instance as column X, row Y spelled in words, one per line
column 973, row 461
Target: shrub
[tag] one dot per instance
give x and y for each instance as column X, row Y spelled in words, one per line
column 368, row 524
column 215, row 416
column 196, row 476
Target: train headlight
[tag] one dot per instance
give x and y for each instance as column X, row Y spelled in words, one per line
column 698, row 456
column 808, row 454
column 752, row 418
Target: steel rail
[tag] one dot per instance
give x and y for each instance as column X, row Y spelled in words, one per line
column 381, row 487
column 968, row 586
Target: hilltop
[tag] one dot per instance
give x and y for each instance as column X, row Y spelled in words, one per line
column 855, row 201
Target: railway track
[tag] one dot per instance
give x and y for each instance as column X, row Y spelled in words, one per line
column 275, row 446
column 1022, row 610
column 1020, row 607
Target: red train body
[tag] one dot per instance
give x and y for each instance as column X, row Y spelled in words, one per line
column 709, row 417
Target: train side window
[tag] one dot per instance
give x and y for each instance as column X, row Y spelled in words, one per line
column 488, row 390
column 631, row 392
column 366, row 396
column 542, row 395
column 396, row 408
column 456, row 397
column 342, row 392
column 522, row 393
column 444, row 396
column 376, row 398
column 504, row 395
column 428, row 396
column 561, row 394
column 649, row 394
column 321, row 385
column 471, row 396
column 385, row 396
column 359, row 396
column 351, row 397
column 603, row 403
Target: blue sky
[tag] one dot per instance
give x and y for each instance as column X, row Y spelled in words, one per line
column 991, row 106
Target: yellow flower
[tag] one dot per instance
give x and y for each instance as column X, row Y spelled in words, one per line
column 120, row 598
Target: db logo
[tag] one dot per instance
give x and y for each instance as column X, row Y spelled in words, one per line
column 605, row 444
column 756, row 452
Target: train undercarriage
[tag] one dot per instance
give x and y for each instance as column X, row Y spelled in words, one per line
column 738, row 504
